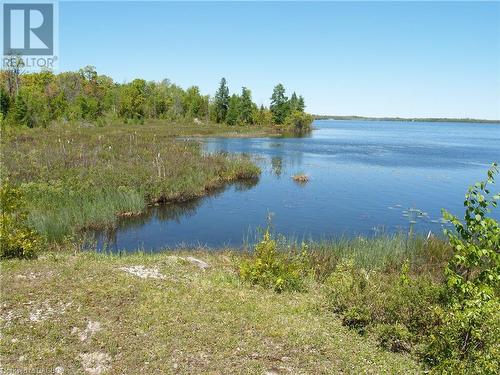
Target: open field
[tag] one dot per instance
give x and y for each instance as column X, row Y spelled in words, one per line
column 75, row 311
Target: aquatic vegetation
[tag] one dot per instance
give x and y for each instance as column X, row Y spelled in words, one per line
column 386, row 252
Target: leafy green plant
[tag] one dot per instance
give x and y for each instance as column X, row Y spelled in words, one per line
column 17, row 239
column 467, row 337
column 272, row 269
column 84, row 95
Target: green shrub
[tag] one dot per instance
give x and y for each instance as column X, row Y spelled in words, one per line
column 357, row 317
column 272, row 269
column 394, row 337
column 299, row 122
column 346, row 286
column 366, row 299
column 409, row 302
column 466, row 340
column 17, row 239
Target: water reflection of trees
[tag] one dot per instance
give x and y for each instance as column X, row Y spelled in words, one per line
column 283, row 158
column 277, row 165
column 281, row 152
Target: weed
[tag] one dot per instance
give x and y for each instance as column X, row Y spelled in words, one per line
column 274, row 270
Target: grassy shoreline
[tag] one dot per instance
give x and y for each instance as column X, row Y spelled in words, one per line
column 77, row 177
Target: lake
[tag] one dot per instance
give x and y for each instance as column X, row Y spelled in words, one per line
column 365, row 178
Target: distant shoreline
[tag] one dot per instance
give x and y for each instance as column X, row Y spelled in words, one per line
column 417, row 119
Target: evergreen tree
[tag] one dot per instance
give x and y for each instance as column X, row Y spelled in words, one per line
column 233, row 110
column 279, row 104
column 37, row 98
column 246, row 106
column 294, row 102
column 300, row 104
column 221, row 101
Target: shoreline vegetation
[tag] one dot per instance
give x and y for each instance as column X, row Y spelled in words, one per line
column 405, row 119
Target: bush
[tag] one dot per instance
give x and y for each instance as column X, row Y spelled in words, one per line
column 17, row 239
column 367, row 299
column 298, row 122
column 457, row 323
column 394, row 337
column 346, row 286
column 272, row 269
column 466, row 340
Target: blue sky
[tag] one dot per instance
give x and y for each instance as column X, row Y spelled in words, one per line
column 410, row 59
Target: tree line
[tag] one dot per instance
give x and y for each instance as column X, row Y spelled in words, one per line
column 37, row 99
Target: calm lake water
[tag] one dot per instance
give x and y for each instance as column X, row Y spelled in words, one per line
column 365, row 178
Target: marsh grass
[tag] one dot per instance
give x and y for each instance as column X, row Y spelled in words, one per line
column 77, row 177
column 386, row 253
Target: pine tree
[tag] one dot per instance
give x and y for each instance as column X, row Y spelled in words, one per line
column 221, row 101
column 20, row 110
column 294, row 102
column 279, row 104
column 233, row 110
column 4, row 101
column 300, row 104
column 246, row 106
